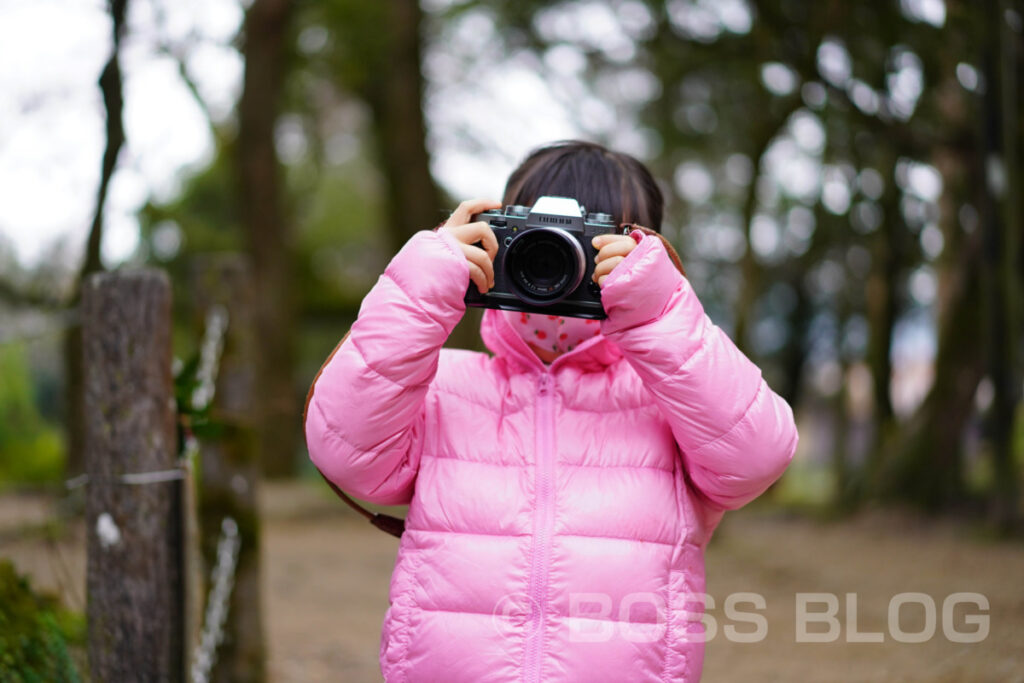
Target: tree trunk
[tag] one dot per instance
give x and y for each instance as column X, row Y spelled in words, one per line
column 881, row 304
column 111, row 87
column 1002, row 279
column 923, row 461
column 751, row 270
column 882, row 313
column 267, row 231
column 794, row 353
column 395, row 95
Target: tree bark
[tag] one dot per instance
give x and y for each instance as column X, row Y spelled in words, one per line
column 135, row 603
column 267, row 231
column 1002, row 279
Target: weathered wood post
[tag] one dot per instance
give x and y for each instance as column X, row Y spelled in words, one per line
column 229, row 464
column 132, row 510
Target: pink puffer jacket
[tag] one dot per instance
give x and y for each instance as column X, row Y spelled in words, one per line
column 558, row 514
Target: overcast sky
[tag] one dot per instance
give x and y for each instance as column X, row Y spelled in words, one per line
column 52, row 133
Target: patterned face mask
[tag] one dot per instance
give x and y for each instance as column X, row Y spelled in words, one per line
column 552, row 332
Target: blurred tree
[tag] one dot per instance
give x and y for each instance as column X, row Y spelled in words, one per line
column 1004, row 62
column 112, row 89
column 383, row 69
column 975, row 145
column 267, row 227
column 320, row 78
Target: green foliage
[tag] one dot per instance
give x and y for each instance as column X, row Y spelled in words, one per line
column 192, row 420
column 35, row 633
column 358, row 45
column 342, row 238
column 31, row 451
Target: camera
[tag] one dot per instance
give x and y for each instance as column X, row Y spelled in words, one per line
column 545, row 259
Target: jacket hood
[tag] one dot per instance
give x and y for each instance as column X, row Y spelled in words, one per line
column 501, row 339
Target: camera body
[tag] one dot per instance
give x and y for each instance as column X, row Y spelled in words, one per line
column 545, row 259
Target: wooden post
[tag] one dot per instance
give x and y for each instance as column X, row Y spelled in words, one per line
column 133, row 576
column 193, row 581
column 230, row 464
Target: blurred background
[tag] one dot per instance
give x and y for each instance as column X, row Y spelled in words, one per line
column 843, row 183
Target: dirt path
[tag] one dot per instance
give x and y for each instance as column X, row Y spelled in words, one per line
column 875, row 557
column 327, row 571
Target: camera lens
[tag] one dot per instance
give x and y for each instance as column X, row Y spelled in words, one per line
column 544, row 265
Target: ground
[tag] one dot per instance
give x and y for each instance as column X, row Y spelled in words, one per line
column 326, row 575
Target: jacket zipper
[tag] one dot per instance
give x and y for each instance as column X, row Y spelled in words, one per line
column 543, row 522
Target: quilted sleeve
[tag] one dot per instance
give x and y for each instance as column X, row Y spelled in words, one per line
column 735, row 434
column 365, row 411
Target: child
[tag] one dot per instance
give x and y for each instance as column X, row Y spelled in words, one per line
column 562, row 491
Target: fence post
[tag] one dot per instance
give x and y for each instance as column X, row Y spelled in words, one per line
column 132, row 506
column 229, row 465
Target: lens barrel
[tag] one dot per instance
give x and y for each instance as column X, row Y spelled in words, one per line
column 544, row 265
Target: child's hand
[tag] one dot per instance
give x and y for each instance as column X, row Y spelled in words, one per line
column 481, row 268
column 612, row 249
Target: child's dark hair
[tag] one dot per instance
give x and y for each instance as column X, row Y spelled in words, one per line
column 600, row 179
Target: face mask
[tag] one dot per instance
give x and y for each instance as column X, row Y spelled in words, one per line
column 552, row 332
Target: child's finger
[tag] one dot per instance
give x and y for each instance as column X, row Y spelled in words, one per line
column 612, row 245
column 473, row 233
column 478, row 277
column 480, row 267
column 481, row 232
column 489, row 241
column 466, row 209
column 482, row 259
column 605, row 267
